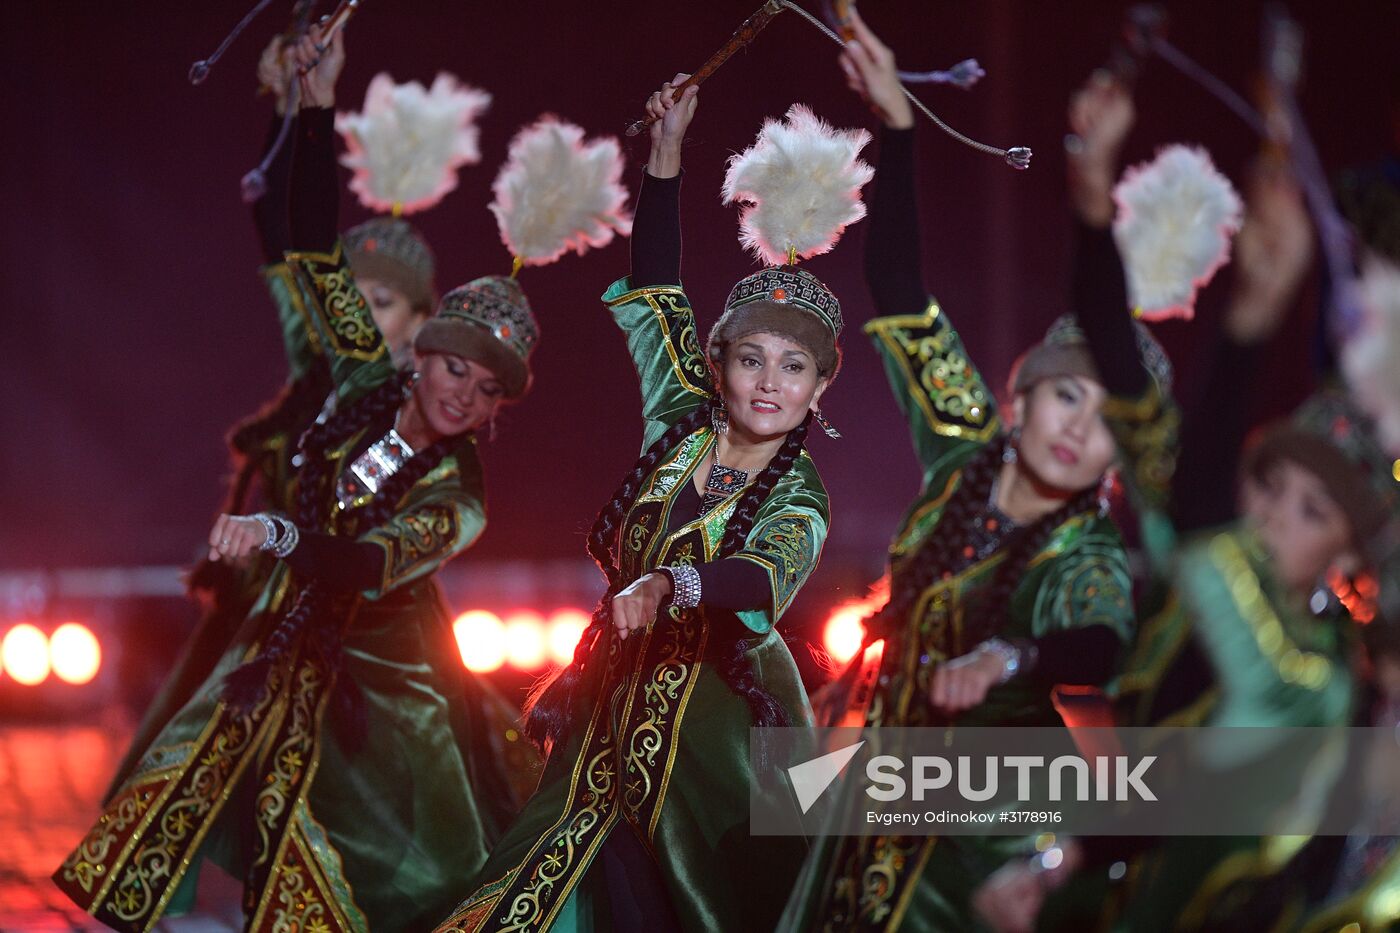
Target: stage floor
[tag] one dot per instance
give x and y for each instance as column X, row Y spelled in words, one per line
column 51, row 779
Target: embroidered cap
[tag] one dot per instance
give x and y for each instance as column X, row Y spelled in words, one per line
column 392, row 250
column 787, row 301
column 488, row 320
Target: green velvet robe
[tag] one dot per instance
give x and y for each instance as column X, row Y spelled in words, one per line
column 231, row 603
column 328, row 834
column 1080, row 577
column 1273, row 663
column 660, row 747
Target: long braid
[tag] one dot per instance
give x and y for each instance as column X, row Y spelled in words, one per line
column 313, row 500
column 734, row 668
column 1021, row 548
column 244, row 685
column 943, row 551
column 551, row 701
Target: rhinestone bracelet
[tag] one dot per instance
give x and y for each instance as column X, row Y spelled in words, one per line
column 273, row 532
column 1010, row 656
column 287, row 543
column 685, row 585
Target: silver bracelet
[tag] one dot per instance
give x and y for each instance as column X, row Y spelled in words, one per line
column 685, row 585
column 1010, row 657
column 273, row 532
column 291, row 536
column 282, row 535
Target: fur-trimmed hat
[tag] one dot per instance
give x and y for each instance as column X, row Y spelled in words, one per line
column 488, row 320
column 786, row 301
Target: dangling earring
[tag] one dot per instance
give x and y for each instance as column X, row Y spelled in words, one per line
column 827, row 426
column 1105, row 494
column 1008, row 453
column 412, row 384
column 719, row 417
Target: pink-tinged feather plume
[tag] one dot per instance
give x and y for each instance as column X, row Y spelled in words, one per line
column 801, row 182
column 1371, row 358
column 558, row 193
column 1176, row 217
column 407, row 143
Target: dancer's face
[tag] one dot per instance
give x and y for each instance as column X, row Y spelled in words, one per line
column 1064, row 444
column 1302, row 527
column 396, row 319
column 455, row 394
column 769, row 384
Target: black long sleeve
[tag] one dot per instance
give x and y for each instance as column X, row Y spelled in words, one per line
column 656, row 233
column 270, row 211
column 734, row 583
column 1213, row 434
column 341, row 564
column 1099, row 291
column 1086, row 656
column 892, row 246
column 315, row 189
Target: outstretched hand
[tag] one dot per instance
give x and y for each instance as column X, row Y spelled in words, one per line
column 636, row 606
column 870, row 72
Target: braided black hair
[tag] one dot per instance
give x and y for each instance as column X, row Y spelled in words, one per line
column 551, row 704
column 946, row 550
column 314, row 607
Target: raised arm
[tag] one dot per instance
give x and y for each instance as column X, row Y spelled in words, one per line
column 649, row 305
column 300, row 341
column 940, row 392
column 339, row 314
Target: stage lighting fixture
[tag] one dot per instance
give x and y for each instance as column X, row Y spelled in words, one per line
column 481, row 637
column 565, row 629
column 843, row 632
column 525, row 640
column 74, row 653
column 25, row 654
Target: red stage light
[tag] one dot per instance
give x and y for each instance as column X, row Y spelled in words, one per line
column 844, row 632
column 565, row 629
column 25, row 654
column 74, row 653
column 525, row 640
column 481, row 638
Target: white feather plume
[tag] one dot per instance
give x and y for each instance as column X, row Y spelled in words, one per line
column 1371, row 358
column 558, row 193
column 801, row 182
column 1176, row 217
column 407, row 143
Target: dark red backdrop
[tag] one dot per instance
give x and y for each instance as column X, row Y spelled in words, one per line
column 136, row 331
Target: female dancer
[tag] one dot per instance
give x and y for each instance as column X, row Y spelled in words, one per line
column 1239, row 628
column 323, row 760
column 393, row 268
column 640, row 819
column 1007, row 576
